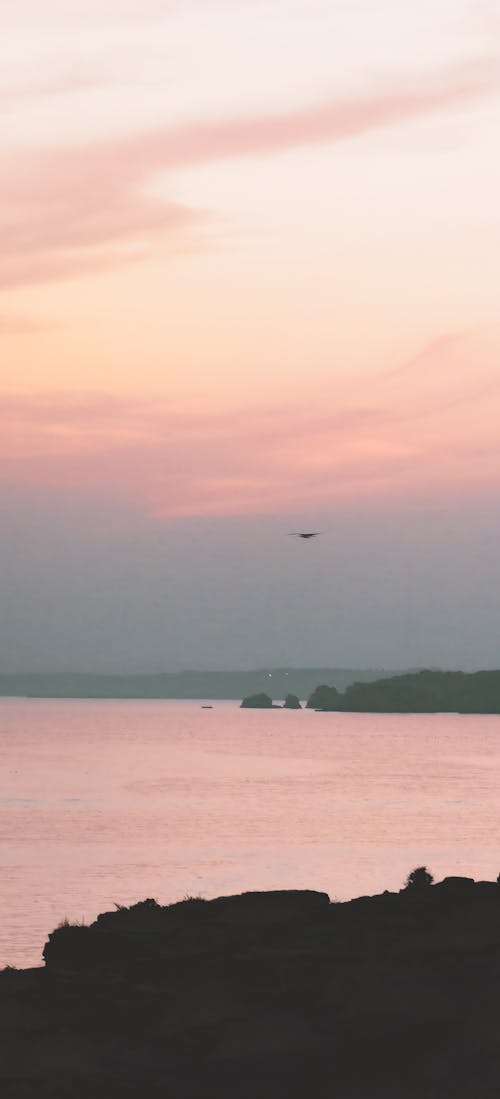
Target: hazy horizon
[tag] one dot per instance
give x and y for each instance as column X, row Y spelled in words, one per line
column 386, row 589
column 140, row 672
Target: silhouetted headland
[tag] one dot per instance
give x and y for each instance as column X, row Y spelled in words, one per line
column 271, row 994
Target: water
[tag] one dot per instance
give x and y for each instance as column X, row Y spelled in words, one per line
column 104, row 802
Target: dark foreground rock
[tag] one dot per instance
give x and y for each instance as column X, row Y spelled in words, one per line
column 270, row 994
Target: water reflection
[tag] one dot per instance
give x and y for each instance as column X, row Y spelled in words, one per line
column 113, row 801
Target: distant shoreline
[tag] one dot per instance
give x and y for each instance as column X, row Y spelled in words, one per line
column 191, row 684
column 426, row 691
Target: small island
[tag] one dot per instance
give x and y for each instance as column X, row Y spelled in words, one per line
column 262, row 701
column 292, row 703
column 259, row 701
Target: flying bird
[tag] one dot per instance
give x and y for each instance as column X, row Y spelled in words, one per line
column 304, row 533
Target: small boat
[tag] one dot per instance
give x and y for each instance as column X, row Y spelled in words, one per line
column 207, row 707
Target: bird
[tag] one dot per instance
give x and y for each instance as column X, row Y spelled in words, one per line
column 304, row 533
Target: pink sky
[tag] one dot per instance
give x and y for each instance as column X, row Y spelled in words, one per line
column 250, row 251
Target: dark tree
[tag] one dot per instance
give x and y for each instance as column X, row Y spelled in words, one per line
column 292, row 702
column 258, row 702
column 325, row 698
column 419, row 878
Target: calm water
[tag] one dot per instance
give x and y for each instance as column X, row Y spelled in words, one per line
column 117, row 801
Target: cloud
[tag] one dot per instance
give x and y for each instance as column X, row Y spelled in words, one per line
column 453, row 369
column 57, row 85
column 57, row 12
column 67, row 211
column 395, row 439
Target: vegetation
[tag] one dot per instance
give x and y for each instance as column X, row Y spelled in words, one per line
column 325, row 698
column 259, row 701
column 420, row 878
column 417, row 692
column 68, row 923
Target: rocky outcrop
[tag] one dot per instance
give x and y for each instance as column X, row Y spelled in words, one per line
column 147, row 935
column 292, row 703
column 277, row 994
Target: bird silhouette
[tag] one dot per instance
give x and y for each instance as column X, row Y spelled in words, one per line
column 304, row 533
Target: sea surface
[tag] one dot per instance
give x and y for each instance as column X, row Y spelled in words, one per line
column 112, row 802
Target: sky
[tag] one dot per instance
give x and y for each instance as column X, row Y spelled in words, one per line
column 249, row 273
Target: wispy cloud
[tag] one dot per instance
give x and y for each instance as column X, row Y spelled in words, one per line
column 60, row 84
column 265, row 458
column 65, row 211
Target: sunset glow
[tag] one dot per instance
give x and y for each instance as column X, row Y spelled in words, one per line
column 239, row 273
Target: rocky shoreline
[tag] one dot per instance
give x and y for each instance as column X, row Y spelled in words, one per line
column 279, row 993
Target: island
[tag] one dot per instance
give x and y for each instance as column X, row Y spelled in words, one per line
column 260, row 701
column 426, row 691
column 292, row 702
column 282, row 993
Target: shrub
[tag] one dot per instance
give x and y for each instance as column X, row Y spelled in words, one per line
column 419, row 878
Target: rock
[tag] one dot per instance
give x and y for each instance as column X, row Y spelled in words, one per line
column 279, row 994
column 271, row 907
column 257, row 702
column 456, row 884
column 292, row 703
